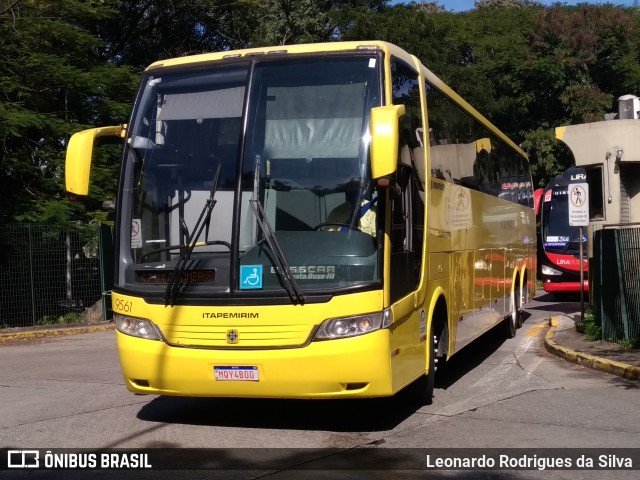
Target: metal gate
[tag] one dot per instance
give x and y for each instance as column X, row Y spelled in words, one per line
column 53, row 274
column 615, row 274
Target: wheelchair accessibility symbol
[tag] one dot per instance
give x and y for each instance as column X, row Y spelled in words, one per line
column 250, row 276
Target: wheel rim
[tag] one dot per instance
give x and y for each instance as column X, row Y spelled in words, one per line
column 514, row 307
column 435, row 353
column 524, row 296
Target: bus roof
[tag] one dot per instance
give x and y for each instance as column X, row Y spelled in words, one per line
column 286, row 49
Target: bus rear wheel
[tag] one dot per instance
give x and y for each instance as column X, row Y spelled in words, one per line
column 524, row 298
column 513, row 321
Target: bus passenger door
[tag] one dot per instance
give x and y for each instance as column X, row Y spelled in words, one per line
column 407, row 232
column 407, row 207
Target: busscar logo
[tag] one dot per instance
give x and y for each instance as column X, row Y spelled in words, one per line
column 23, row 459
column 311, row 272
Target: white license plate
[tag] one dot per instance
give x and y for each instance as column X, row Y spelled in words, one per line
column 236, row 374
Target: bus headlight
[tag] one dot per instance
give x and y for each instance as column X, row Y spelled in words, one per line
column 353, row 326
column 137, row 327
column 550, row 271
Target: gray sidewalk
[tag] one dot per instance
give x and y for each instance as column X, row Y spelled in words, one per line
column 50, row 331
column 564, row 341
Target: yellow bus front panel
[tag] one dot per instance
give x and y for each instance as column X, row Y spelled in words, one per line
column 350, row 367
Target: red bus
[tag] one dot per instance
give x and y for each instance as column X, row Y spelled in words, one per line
column 559, row 242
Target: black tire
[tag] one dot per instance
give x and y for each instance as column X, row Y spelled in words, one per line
column 423, row 387
column 523, row 296
column 510, row 324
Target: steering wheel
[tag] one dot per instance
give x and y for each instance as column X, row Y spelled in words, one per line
column 321, row 226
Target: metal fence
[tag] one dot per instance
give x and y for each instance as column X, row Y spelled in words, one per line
column 615, row 280
column 53, row 274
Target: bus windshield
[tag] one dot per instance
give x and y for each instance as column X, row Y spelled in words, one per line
column 557, row 235
column 227, row 165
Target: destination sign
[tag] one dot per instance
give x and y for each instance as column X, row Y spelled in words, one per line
column 187, row 277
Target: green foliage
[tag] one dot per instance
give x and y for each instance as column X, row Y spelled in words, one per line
column 590, row 326
column 551, row 157
column 626, row 343
column 291, row 21
column 55, row 80
column 501, row 4
column 66, row 319
column 586, row 52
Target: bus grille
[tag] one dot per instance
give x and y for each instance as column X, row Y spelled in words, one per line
column 235, row 336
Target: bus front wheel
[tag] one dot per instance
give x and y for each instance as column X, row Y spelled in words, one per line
column 423, row 387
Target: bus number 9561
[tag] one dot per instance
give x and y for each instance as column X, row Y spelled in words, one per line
column 123, row 305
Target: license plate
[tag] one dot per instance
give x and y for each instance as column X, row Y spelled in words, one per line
column 236, row 374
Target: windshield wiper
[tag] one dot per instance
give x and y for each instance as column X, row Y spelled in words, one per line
column 173, row 287
column 284, row 270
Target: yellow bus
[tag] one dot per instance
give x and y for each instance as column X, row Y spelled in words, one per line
column 309, row 221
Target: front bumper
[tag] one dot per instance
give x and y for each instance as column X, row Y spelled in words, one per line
column 350, row 367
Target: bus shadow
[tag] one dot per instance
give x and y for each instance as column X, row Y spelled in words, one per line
column 471, row 356
column 348, row 415
column 546, row 302
column 343, row 415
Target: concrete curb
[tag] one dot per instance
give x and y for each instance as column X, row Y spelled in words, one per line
column 609, row 366
column 16, row 335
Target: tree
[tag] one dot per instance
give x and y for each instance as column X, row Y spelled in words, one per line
column 283, row 22
column 144, row 31
column 499, row 4
column 579, row 61
column 586, row 58
column 53, row 81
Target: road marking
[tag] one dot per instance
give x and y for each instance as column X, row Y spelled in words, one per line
column 531, row 342
column 536, row 330
column 524, row 345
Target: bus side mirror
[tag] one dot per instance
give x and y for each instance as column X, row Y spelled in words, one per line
column 78, row 160
column 384, row 128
